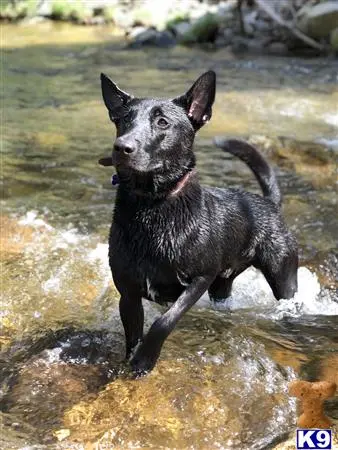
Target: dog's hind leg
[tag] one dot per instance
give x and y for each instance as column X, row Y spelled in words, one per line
column 282, row 277
column 220, row 289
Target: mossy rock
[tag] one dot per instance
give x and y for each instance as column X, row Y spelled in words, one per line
column 313, row 161
column 179, row 18
column 318, row 20
column 76, row 10
column 205, row 29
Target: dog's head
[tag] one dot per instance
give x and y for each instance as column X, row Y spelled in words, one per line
column 155, row 136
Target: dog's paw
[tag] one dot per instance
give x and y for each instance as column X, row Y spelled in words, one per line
column 141, row 368
column 141, row 365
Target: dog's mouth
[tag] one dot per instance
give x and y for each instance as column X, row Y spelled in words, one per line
column 108, row 161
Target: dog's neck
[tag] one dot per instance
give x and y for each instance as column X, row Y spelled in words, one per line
column 181, row 183
column 155, row 187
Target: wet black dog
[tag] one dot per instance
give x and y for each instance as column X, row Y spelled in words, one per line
column 172, row 239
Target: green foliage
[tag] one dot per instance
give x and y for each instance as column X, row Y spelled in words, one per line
column 19, row 10
column 203, row 30
column 61, row 10
column 75, row 10
column 3, row 6
column 6, row 10
column 80, row 12
column 31, row 7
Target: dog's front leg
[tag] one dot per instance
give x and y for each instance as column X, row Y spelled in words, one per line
column 148, row 352
column 131, row 312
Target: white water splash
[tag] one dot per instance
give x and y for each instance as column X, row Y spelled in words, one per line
column 31, row 219
column 50, row 356
column 331, row 119
column 297, row 109
column 252, row 292
column 53, row 284
column 300, row 109
column 331, row 143
column 100, row 254
column 65, row 264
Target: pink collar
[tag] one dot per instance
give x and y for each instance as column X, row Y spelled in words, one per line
column 180, row 185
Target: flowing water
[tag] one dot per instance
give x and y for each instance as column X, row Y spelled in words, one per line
column 222, row 379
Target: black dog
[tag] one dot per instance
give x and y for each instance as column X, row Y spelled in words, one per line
column 171, row 239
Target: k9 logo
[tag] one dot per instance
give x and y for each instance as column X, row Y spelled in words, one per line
column 314, row 439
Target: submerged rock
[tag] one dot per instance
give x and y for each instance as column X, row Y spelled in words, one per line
column 47, row 277
column 43, row 390
column 210, row 404
column 314, row 161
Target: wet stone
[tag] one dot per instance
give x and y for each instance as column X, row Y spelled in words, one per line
column 191, row 410
column 40, row 387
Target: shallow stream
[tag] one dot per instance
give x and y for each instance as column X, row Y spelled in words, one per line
column 223, row 375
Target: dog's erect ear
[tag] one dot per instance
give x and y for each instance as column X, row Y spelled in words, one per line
column 199, row 99
column 114, row 99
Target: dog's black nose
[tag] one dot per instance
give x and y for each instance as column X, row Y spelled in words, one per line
column 124, row 147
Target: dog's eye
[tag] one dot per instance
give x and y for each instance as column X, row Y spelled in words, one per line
column 162, row 123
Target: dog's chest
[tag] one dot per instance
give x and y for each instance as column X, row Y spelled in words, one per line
column 157, row 257
column 149, row 251
column 155, row 237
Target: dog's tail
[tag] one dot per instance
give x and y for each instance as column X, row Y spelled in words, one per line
column 254, row 159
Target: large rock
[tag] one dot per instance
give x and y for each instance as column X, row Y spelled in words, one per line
column 319, row 20
column 180, row 28
column 142, row 36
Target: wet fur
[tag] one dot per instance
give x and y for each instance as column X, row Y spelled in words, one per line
column 173, row 248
